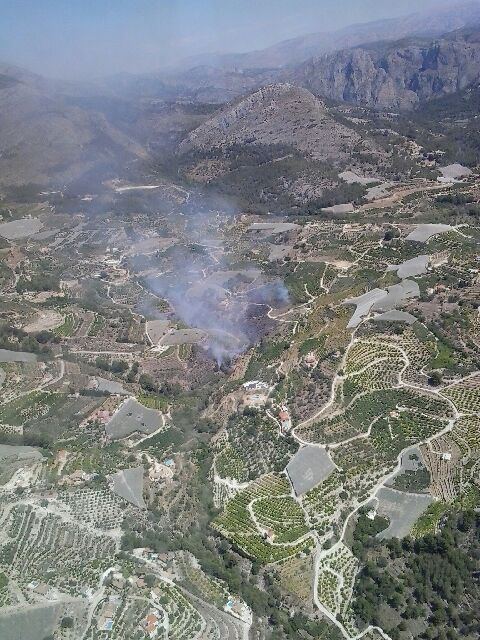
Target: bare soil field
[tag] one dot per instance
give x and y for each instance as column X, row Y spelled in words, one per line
column 44, row 321
column 18, row 229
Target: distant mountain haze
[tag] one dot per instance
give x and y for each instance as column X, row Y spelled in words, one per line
column 310, row 61
column 43, row 137
column 432, row 22
column 91, row 39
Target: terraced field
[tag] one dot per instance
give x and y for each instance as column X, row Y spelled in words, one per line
column 39, row 546
column 380, row 406
column 239, row 520
column 336, row 575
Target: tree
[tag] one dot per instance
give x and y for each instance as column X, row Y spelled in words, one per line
column 390, row 234
column 67, row 622
column 147, row 383
column 435, row 379
column 150, row 580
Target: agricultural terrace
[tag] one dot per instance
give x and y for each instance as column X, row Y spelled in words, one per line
column 118, row 616
column 452, row 460
column 296, row 577
column 381, row 374
column 219, row 624
column 335, row 579
column 70, row 326
column 391, row 418
column 30, row 407
column 281, row 518
column 101, row 509
column 264, row 499
column 465, row 395
column 229, row 464
column 466, row 435
column 255, row 447
column 380, row 405
column 209, row 588
column 40, row 546
column 183, row 619
column 322, row 504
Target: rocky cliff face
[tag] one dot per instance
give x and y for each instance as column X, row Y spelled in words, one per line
column 395, row 76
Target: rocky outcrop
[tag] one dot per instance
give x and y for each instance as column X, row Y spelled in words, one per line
column 395, row 76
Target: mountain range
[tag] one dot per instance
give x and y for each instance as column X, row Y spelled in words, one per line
column 428, row 24
column 57, row 132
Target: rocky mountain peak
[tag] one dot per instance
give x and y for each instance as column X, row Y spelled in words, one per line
column 275, row 114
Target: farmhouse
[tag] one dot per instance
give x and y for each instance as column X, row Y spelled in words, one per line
column 105, row 619
column 255, row 385
column 104, row 413
column 255, row 393
column 118, row 581
column 40, row 588
column 159, row 471
column 150, row 624
column 311, row 360
column 285, row 421
column 439, row 259
column 77, row 477
column 238, row 609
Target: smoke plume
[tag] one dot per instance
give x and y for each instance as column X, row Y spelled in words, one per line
column 206, row 293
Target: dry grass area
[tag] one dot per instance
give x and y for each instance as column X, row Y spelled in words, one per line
column 444, row 469
column 296, row 577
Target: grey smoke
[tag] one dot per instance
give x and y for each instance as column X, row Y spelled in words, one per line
column 207, row 294
column 222, row 313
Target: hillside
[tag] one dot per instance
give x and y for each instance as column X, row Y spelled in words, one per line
column 44, row 139
column 278, row 149
column 276, row 114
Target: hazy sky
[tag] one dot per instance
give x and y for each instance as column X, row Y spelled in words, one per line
column 81, row 38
